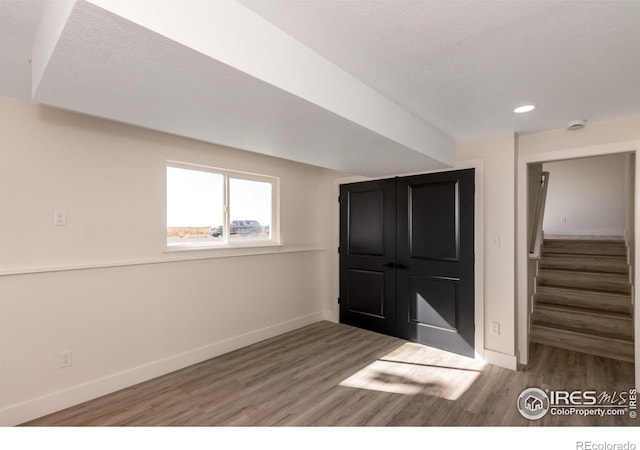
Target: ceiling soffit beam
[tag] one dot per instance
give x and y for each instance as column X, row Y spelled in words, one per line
column 260, row 92
column 54, row 19
column 234, row 35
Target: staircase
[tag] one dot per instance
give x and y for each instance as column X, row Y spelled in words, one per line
column 583, row 298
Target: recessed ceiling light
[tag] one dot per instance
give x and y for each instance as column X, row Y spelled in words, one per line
column 524, row 109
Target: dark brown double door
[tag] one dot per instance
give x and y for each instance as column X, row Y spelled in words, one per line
column 407, row 258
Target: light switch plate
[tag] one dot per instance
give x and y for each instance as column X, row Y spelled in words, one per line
column 60, row 218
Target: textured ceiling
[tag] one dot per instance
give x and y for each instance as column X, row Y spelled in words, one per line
column 464, row 65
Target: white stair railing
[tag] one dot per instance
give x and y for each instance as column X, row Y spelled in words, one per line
column 535, row 240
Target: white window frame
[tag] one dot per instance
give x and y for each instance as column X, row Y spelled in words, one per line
column 226, row 243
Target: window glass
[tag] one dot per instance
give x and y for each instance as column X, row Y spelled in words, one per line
column 249, row 209
column 195, row 206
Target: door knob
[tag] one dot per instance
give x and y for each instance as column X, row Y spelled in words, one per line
column 401, row 266
column 389, row 264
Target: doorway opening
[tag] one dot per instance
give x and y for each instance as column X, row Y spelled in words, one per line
column 580, row 262
column 576, row 290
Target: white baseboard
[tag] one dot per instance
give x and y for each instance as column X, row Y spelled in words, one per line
column 501, row 359
column 331, row 316
column 584, row 232
column 55, row 401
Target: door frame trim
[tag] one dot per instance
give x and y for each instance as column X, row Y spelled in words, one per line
column 332, row 311
column 521, row 233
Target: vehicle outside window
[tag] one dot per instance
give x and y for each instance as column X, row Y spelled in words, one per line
column 241, row 227
column 215, row 231
column 246, row 227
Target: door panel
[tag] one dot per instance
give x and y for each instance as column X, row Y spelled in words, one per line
column 367, row 255
column 435, row 285
column 435, row 303
column 433, row 236
column 366, row 292
column 366, row 223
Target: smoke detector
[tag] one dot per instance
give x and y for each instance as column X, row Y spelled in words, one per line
column 576, row 124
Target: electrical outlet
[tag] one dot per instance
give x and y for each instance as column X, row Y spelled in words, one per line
column 60, row 218
column 66, row 359
column 495, row 328
column 563, row 219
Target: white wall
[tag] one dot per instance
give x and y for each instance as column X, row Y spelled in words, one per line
column 588, row 194
column 498, row 156
column 102, row 286
column 599, row 133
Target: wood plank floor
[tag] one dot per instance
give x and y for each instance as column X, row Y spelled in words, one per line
column 329, row 374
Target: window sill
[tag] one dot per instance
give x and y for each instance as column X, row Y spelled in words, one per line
column 197, row 247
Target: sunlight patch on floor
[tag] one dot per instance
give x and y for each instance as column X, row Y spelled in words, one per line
column 413, row 369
